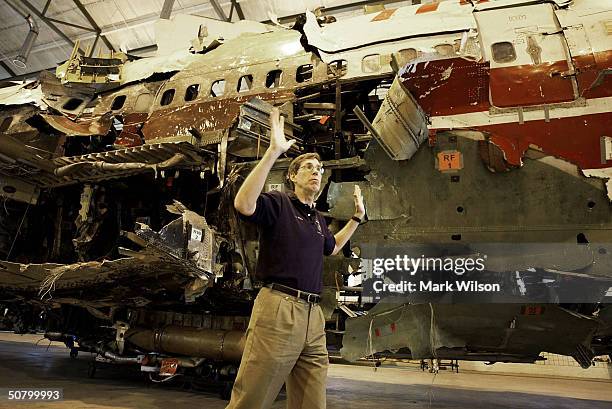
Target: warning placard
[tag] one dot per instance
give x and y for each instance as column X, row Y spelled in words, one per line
column 448, row 161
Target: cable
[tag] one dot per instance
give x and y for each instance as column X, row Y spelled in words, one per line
column 370, row 344
column 19, row 228
column 163, row 380
column 432, row 323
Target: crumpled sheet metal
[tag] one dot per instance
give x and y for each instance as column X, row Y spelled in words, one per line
column 46, row 279
column 144, row 68
column 187, row 240
column 602, row 174
column 593, row 259
column 201, row 244
column 56, row 95
column 429, row 329
column 21, row 94
column 168, row 252
column 381, row 199
column 98, row 126
column 179, row 32
column 32, row 276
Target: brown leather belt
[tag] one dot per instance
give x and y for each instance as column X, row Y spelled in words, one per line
column 304, row 295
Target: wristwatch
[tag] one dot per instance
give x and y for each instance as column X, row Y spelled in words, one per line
column 357, row 219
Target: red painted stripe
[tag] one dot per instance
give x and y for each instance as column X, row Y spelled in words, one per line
column 575, row 139
column 426, row 8
column 588, row 68
column 457, row 86
column 523, row 85
column 449, row 87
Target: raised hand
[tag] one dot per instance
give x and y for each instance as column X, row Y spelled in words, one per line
column 278, row 143
column 359, row 206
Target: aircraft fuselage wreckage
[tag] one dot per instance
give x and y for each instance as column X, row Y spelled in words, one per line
column 464, row 123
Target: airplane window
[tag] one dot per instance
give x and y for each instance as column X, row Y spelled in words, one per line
column 503, row 52
column 273, row 79
column 407, row 55
column 445, row 49
column 337, row 68
column 118, row 102
column 370, row 63
column 217, row 89
column 72, row 104
column 304, row 73
column 167, row 97
column 245, row 83
column 192, row 92
column 6, row 123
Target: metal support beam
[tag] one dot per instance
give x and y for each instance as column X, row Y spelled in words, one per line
column 93, row 47
column 219, row 10
column 48, row 23
column 166, row 10
column 142, row 50
column 70, row 24
column 93, row 23
column 7, row 68
column 33, row 74
column 47, row 4
column 236, row 6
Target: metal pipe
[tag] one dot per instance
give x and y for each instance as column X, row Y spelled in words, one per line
column 119, row 359
column 59, row 337
column 220, row 345
column 24, row 53
column 108, row 354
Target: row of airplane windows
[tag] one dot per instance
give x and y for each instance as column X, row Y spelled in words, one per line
column 218, row 87
column 503, row 52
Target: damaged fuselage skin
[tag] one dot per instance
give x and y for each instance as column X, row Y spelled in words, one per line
column 461, row 122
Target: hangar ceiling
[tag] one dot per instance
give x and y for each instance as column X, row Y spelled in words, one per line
column 102, row 25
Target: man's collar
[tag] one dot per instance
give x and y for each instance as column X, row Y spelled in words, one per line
column 296, row 199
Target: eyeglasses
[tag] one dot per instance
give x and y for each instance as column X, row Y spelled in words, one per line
column 310, row 167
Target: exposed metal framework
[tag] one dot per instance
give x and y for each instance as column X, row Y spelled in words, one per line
column 236, row 6
column 166, row 11
column 70, row 24
column 94, row 25
column 48, row 22
column 7, row 69
column 219, row 10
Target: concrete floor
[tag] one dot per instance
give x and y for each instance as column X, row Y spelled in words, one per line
column 24, row 364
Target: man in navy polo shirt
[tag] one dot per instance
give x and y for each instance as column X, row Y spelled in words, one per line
column 286, row 334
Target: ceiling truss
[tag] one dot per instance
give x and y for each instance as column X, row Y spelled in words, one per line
column 165, row 13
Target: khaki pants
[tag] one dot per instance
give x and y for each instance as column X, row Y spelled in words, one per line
column 285, row 344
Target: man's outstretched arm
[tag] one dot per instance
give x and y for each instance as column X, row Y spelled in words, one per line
column 245, row 201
